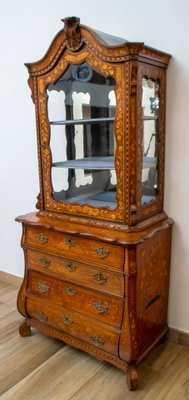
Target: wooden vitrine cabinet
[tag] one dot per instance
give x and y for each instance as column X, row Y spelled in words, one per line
column 97, row 251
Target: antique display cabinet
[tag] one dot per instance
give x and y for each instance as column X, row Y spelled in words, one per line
column 97, row 251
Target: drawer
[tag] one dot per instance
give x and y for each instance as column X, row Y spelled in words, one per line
column 89, row 276
column 73, row 247
column 102, row 307
column 74, row 324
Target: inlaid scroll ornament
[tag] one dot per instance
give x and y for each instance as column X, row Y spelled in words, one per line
column 73, row 33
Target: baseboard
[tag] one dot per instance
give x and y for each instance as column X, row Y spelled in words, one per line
column 178, row 336
column 9, row 278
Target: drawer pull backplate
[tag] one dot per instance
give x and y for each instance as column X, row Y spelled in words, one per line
column 43, row 287
column 42, row 317
column 97, row 340
column 101, row 252
column 44, row 262
column 99, row 278
column 100, row 307
column 42, row 238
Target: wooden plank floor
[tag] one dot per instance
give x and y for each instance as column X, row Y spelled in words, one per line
column 40, row 368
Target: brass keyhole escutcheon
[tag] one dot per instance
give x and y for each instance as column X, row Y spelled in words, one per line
column 70, row 266
column 70, row 242
column 67, row 320
column 70, row 291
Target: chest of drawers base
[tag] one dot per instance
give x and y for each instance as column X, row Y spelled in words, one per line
column 100, row 296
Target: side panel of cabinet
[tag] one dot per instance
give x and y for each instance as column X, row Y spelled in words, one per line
column 146, row 205
column 153, row 264
column 146, row 294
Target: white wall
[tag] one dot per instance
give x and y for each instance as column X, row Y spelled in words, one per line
column 26, row 30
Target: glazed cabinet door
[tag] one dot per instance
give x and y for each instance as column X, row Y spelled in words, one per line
column 81, row 124
column 150, row 144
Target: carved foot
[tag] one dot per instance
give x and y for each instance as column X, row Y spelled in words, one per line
column 24, row 330
column 132, row 377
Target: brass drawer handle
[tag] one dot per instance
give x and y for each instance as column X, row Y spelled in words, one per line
column 100, row 307
column 99, row 278
column 70, row 266
column 43, row 287
column 42, row 238
column 70, row 291
column 42, row 317
column 44, row 262
column 70, row 242
column 101, row 252
column 67, row 320
column 97, row 340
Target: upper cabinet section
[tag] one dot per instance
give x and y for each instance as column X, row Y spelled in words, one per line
column 100, row 108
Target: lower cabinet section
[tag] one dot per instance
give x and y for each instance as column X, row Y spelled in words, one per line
column 107, row 299
column 74, row 324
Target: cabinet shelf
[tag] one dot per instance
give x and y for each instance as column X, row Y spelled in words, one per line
column 150, row 118
column 91, row 163
column 83, row 121
column 149, row 162
column 99, row 163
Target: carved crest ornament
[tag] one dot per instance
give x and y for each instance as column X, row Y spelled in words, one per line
column 73, row 33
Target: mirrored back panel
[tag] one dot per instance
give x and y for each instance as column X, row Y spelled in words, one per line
column 81, row 112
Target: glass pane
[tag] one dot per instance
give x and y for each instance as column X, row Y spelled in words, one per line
column 150, row 113
column 81, row 111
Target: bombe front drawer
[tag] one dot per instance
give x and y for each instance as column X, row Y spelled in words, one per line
column 102, row 307
column 74, row 324
column 74, row 247
column 74, row 271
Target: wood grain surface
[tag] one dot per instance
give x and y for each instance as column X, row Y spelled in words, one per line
column 38, row 367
